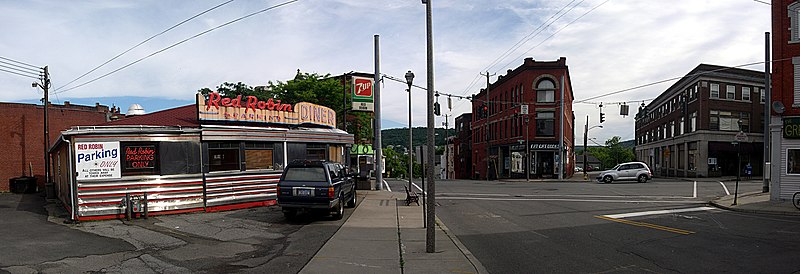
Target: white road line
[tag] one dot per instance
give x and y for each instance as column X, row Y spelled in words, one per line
column 420, row 189
column 659, row 212
column 726, row 188
column 571, row 200
column 562, row 195
column 387, row 186
column 694, row 194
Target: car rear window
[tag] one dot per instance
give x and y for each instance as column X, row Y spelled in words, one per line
column 308, row 174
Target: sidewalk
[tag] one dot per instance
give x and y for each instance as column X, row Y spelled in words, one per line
column 383, row 235
column 756, row 202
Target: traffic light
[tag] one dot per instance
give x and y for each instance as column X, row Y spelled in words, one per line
column 436, row 109
column 485, row 111
column 602, row 117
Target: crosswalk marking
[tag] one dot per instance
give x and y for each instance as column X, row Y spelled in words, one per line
column 659, row 212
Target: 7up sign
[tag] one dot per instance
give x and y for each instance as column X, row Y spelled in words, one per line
column 363, row 95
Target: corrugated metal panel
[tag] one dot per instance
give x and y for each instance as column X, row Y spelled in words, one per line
column 224, row 189
column 97, row 198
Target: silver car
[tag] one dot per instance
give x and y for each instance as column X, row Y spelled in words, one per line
column 637, row 171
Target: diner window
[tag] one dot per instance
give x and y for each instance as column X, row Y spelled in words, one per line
column 223, row 156
column 746, row 93
column 140, row 158
column 258, row 155
column 730, row 92
column 179, row 157
column 545, row 91
column 715, row 91
column 545, row 123
column 315, row 151
column 793, row 161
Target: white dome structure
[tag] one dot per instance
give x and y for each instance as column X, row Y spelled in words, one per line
column 135, row 109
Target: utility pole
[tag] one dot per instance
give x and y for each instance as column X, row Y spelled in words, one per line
column 377, row 88
column 585, row 136
column 767, row 115
column 486, row 123
column 430, row 230
column 446, row 148
column 45, row 85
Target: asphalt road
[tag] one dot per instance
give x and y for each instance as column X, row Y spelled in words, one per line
column 544, row 227
column 258, row 240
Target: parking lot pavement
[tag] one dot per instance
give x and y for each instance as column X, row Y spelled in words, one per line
column 36, row 240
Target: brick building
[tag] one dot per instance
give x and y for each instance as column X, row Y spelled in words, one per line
column 688, row 130
column 785, row 100
column 497, row 122
column 22, row 140
column 462, row 147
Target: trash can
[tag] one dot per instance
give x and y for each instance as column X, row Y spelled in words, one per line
column 22, row 184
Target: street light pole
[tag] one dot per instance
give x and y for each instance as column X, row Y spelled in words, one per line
column 738, row 165
column 430, row 235
column 409, row 81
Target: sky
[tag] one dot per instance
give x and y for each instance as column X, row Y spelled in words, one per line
column 610, row 45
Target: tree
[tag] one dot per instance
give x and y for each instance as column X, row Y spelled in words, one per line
column 612, row 153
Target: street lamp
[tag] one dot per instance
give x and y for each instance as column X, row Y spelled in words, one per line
column 410, row 81
column 585, row 145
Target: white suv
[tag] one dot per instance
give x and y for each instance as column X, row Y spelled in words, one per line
column 626, row 171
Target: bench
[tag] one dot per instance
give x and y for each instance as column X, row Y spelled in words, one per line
column 411, row 196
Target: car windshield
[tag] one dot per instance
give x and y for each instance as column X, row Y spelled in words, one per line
column 307, row 174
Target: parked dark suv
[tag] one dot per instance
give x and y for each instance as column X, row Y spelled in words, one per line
column 316, row 185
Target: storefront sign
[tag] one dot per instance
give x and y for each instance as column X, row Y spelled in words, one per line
column 791, row 127
column 97, row 160
column 545, row 146
column 140, row 157
column 363, row 95
column 250, row 109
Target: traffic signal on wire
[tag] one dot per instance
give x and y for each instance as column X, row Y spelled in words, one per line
column 602, row 117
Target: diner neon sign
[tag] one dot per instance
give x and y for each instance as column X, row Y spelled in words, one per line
column 251, row 109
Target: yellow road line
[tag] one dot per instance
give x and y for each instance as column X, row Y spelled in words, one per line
column 663, row 228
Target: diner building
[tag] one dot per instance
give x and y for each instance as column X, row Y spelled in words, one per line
column 218, row 154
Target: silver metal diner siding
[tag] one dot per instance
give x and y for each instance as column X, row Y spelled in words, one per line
column 93, row 199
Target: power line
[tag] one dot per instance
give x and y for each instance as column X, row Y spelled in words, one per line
column 21, row 63
column 519, row 43
column 554, row 33
column 672, row 79
column 180, row 42
column 20, row 74
column 19, row 70
column 145, row 41
column 37, row 71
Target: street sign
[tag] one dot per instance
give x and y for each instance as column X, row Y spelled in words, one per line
column 741, row 137
column 523, row 109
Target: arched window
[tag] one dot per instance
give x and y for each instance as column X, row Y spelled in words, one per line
column 545, row 91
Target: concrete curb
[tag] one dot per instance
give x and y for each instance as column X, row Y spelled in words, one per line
column 479, row 268
column 755, row 211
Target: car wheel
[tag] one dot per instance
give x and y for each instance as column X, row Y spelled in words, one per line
column 289, row 214
column 608, row 179
column 352, row 202
column 339, row 210
column 642, row 178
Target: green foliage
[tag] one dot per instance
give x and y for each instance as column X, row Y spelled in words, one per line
column 399, row 136
column 396, row 163
column 612, row 153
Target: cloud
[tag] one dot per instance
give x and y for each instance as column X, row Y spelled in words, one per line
column 620, row 44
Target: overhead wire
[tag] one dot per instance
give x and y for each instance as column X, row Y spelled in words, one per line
column 521, row 42
column 20, row 63
column 180, row 42
column 142, row 42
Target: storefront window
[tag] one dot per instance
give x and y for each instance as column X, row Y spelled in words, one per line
column 316, row 151
column 179, row 157
column 793, row 161
column 258, row 155
column 139, row 158
column 223, row 156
